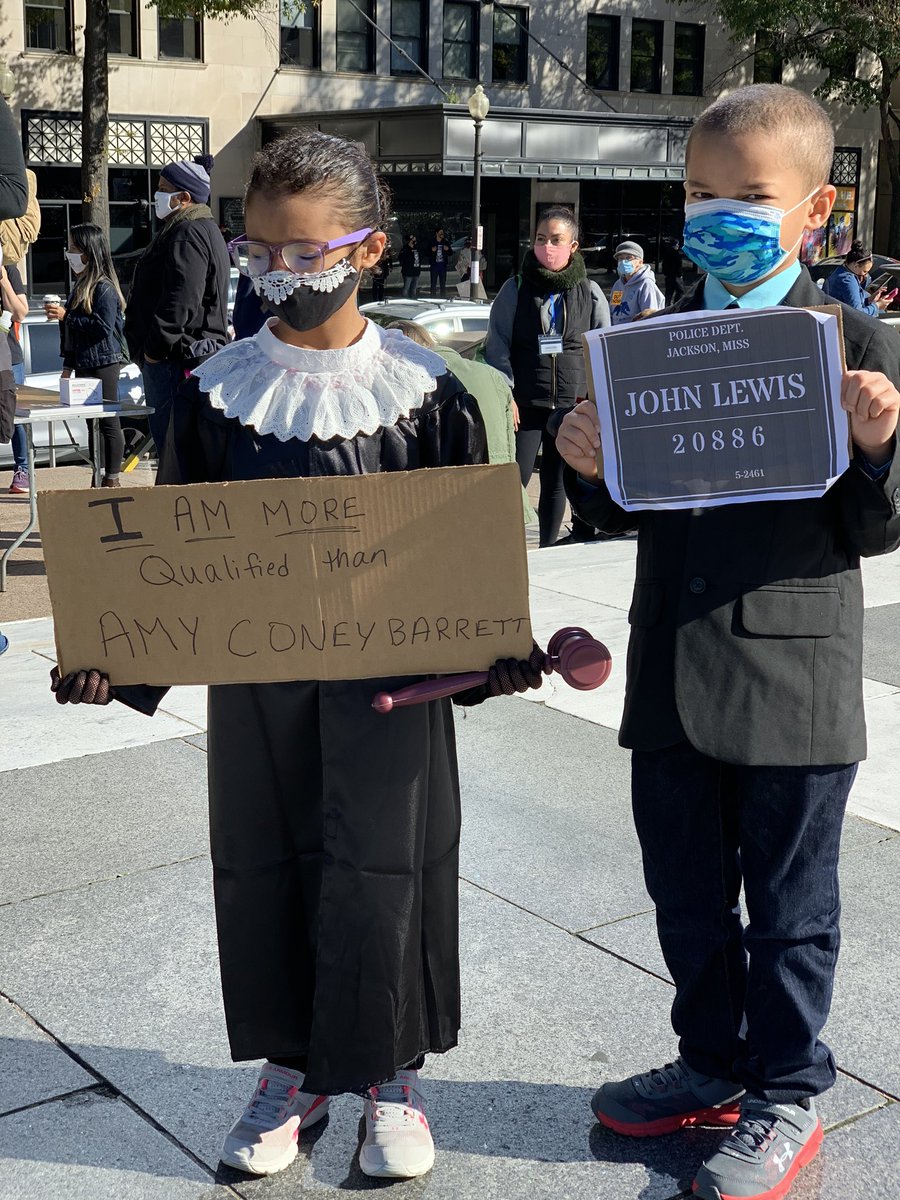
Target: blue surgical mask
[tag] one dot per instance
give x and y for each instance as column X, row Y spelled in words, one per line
column 736, row 241
column 626, row 267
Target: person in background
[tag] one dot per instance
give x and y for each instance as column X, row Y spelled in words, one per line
column 440, row 260
column 635, row 292
column 464, row 270
column 851, row 282
column 379, row 274
column 13, row 203
column 178, row 305
column 91, row 333
column 410, row 267
column 534, row 340
column 13, row 307
column 248, row 316
column 672, row 267
column 490, row 389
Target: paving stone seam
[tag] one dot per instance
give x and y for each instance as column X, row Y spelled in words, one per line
column 106, row 1086
column 97, row 1088
column 889, row 1096
column 644, row 912
column 838, row 1125
column 80, row 887
column 562, row 928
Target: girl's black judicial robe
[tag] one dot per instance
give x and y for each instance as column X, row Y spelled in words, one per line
column 334, row 831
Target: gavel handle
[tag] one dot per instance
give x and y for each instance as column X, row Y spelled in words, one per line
column 428, row 689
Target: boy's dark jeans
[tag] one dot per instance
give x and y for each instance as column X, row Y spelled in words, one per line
column 704, row 827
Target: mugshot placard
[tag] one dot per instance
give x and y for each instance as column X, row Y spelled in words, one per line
column 708, row 408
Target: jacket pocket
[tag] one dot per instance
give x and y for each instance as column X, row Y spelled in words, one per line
column 647, row 603
column 784, row 611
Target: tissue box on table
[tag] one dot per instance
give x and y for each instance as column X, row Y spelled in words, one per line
column 77, row 392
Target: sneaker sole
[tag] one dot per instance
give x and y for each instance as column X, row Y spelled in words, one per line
column 18, row 491
column 313, row 1114
column 384, row 1170
column 803, row 1159
column 723, row 1116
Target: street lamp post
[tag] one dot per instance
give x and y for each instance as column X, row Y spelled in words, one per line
column 479, row 107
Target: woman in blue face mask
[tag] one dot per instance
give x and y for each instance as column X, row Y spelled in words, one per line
column 635, row 291
column 850, row 282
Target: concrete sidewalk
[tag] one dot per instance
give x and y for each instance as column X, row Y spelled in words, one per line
column 116, row 1080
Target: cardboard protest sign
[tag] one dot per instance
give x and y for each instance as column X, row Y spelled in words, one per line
column 339, row 578
column 707, row 408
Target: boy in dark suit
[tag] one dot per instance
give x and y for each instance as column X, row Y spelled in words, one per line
column 743, row 703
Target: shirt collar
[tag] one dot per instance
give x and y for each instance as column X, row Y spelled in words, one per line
column 765, row 295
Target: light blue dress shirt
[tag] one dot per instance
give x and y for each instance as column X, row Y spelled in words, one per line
column 769, row 294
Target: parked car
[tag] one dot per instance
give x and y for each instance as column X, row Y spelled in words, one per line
column 440, row 317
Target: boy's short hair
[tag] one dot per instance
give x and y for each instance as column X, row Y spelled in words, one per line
column 779, row 111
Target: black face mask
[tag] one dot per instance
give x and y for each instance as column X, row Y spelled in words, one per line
column 306, row 301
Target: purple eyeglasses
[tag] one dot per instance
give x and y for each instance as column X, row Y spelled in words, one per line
column 302, row 257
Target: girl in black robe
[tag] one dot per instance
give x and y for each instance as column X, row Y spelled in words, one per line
column 334, row 831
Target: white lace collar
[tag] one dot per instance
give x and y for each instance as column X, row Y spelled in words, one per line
column 295, row 393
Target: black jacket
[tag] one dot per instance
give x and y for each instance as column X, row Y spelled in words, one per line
column 545, row 380
column 408, row 265
column 747, row 620
column 93, row 339
column 178, row 305
column 13, row 202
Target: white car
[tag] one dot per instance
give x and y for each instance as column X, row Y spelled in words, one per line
column 442, row 318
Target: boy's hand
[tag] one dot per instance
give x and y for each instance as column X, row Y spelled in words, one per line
column 873, row 404
column 578, row 440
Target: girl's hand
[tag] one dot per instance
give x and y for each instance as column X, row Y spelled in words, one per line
column 874, row 405
column 55, row 312
column 578, row 440
column 515, row 417
column 81, row 687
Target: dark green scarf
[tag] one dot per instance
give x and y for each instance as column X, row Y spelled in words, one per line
column 551, row 283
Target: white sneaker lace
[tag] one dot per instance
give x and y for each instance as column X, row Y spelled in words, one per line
column 395, row 1102
column 267, row 1110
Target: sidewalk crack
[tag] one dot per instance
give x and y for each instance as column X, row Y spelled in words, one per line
column 106, row 1086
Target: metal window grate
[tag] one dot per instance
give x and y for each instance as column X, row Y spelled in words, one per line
column 172, row 141
column 53, row 140
column 127, row 143
column 846, row 167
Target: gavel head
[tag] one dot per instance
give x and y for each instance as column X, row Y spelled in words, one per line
column 583, row 662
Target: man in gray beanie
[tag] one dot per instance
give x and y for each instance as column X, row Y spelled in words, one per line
column 635, row 291
column 177, row 313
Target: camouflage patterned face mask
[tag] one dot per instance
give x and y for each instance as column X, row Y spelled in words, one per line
column 736, row 241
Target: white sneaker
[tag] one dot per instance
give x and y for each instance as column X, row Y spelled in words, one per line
column 263, row 1140
column 398, row 1141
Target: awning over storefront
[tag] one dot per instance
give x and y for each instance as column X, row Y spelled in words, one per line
column 516, row 143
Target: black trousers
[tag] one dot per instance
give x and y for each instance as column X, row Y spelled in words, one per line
column 750, row 1000
column 110, row 427
column 532, row 436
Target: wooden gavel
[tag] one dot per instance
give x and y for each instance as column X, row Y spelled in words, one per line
column 582, row 661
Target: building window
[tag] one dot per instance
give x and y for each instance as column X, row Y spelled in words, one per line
column 687, row 76
column 767, row 64
column 48, row 26
column 460, row 41
column 181, row 38
column 603, row 52
column 355, row 37
column 510, row 56
column 300, row 34
column 408, row 31
column 646, row 56
column 123, row 28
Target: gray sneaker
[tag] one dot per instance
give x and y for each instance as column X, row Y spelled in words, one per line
column 666, row 1099
column 763, row 1153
